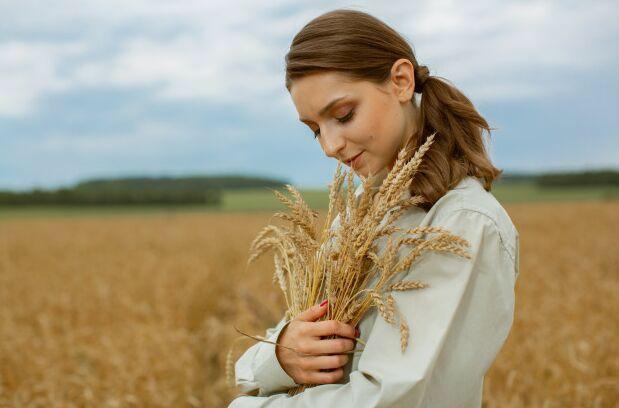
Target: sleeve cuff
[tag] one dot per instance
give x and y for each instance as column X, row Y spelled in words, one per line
column 269, row 373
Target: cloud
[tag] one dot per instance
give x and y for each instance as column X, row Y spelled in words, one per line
column 189, row 66
column 30, row 70
column 211, row 50
column 505, row 50
column 232, row 51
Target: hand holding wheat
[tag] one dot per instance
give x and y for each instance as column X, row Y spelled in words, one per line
column 319, row 355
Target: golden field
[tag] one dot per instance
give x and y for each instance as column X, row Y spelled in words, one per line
column 138, row 310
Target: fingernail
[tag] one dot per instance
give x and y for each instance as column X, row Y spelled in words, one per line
column 324, row 302
column 357, row 333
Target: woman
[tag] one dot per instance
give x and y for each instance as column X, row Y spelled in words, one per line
column 353, row 81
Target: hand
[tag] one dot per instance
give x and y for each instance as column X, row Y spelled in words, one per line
column 304, row 334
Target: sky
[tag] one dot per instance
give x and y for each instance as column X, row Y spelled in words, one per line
column 111, row 88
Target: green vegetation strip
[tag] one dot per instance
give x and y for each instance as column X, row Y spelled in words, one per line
column 264, row 200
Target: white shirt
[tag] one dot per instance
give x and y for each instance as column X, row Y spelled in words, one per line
column 457, row 325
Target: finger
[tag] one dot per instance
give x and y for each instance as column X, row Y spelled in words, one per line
column 313, row 313
column 318, row 377
column 330, row 346
column 332, row 327
column 325, row 362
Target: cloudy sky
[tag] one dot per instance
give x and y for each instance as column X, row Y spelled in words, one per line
column 113, row 88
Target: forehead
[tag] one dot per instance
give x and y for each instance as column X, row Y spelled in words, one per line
column 325, row 79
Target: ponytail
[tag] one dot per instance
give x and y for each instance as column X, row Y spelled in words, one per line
column 458, row 150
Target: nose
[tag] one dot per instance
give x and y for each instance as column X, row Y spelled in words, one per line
column 332, row 143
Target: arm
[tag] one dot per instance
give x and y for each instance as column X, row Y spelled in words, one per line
column 258, row 369
column 458, row 324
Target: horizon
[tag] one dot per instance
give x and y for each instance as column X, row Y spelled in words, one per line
column 283, row 180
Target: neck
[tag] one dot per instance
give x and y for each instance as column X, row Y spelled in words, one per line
column 410, row 129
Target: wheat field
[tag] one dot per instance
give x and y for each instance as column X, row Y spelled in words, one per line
column 138, row 310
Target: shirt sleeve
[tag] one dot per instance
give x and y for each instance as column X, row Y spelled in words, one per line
column 258, row 369
column 457, row 326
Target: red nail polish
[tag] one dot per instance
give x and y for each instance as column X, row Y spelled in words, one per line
column 357, row 332
column 324, row 302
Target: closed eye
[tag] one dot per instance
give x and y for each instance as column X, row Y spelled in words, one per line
column 343, row 119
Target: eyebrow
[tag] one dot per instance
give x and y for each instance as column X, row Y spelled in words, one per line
column 326, row 108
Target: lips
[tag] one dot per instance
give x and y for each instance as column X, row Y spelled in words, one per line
column 352, row 159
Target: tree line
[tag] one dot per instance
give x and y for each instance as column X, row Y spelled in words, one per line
column 205, row 190
column 597, row 178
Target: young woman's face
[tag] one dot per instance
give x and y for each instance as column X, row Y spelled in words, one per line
column 364, row 125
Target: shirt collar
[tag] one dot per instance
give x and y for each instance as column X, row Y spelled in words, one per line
column 467, row 182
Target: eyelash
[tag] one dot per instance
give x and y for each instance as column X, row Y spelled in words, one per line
column 343, row 119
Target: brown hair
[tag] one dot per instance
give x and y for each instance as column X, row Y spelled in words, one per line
column 365, row 48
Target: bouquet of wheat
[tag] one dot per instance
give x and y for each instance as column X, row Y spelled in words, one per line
column 342, row 263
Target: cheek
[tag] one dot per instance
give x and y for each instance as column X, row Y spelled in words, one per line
column 380, row 127
column 374, row 129
column 369, row 130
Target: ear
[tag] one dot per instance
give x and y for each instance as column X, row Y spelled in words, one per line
column 403, row 79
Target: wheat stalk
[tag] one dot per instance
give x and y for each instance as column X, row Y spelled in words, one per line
column 340, row 262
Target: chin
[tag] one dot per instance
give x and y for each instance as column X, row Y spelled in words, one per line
column 364, row 169
column 361, row 172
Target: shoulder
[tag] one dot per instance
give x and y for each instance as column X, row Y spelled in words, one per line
column 470, row 203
